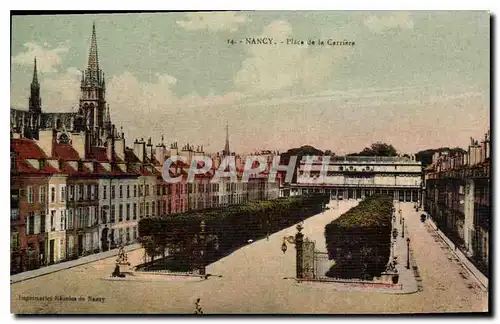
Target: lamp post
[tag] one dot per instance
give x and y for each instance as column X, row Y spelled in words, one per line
column 403, row 229
column 408, row 253
column 202, row 251
column 298, row 240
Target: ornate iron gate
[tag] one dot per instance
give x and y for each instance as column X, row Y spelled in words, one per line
column 321, row 265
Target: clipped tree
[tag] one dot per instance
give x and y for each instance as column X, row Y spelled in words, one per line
column 360, row 240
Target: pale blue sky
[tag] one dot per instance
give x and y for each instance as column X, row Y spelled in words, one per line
column 414, row 79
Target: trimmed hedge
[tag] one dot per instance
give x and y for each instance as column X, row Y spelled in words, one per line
column 360, row 240
column 233, row 226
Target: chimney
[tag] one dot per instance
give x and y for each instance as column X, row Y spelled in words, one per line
column 160, row 153
column 46, row 141
column 120, row 148
column 109, row 148
column 139, row 149
column 173, row 149
column 149, row 149
column 79, row 142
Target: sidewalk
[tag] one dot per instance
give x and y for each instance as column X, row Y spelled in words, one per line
column 481, row 278
column 69, row 264
column 406, row 276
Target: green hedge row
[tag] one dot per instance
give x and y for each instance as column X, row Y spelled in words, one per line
column 233, row 226
column 360, row 240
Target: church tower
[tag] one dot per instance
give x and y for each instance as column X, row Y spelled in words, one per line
column 93, row 97
column 35, row 107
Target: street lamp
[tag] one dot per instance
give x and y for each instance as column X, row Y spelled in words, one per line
column 408, row 253
column 202, row 251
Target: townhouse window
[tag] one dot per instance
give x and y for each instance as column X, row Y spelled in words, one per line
column 120, row 213
column 112, row 215
column 52, row 194
column 61, row 223
column 80, row 166
column 121, row 191
column 42, row 222
column 147, row 190
column 63, row 193
column 127, row 234
column 14, row 239
column 135, row 190
column 152, row 208
column 140, row 190
column 31, row 194
column 104, row 192
column 89, row 192
column 13, row 161
column 113, row 192
column 158, row 190
column 141, row 210
column 158, row 211
column 14, row 214
column 127, row 212
column 52, row 220
column 147, row 209
column 96, row 191
column 29, row 224
column 80, row 192
column 70, row 219
column 104, row 216
column 134, row 211
column 128, row 191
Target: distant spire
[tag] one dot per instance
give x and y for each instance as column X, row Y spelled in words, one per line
column 226, row 147
column 93, row 62
column 35, row 83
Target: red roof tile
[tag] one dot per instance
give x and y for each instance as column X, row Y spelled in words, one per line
column 65, row 152
column 26, row 149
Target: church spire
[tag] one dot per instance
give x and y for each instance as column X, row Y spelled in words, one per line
column 35, row 102
column 34, row 82
column 93, row 71
column 226, row 151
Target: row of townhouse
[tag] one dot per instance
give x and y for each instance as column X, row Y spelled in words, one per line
column 457, row 196
column 69, row 199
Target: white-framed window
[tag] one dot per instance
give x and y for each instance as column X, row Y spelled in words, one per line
column 61, row 223
column 92, row 192
column 42, row 194
column 52, row 194
column 62, row 193
column 31, row 194
column 70, row 219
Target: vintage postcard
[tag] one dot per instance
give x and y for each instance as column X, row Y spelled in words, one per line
column 250, row 162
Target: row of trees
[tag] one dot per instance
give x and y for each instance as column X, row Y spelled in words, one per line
column 227, row 229
column 360, row 240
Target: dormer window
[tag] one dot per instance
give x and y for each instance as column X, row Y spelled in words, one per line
column 42, row 163
column 80, row 166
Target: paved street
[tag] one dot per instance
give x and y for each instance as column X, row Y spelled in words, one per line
column 252, row 282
